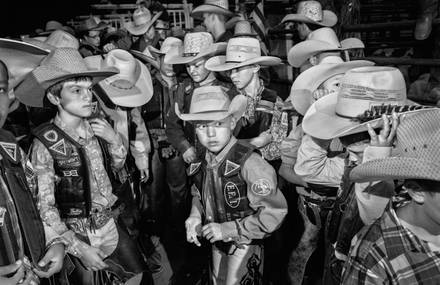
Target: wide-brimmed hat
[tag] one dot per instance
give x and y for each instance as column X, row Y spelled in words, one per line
column 142, row 21
column 61, row 64
column 320, row 40
column 212, row 6
column 417, row 148
column 20, row 58
column 241, row 51
column 212, row 103
column 132, row 86
column 56, row 39
column 92, row 24
column 51, row 26
column 195, row 47
column 301, row 93
column 243, row 28
column 364, row 94
column 311, row 12
column 170, row 45
column 146, row 57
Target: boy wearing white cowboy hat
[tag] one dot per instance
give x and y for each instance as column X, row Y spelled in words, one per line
column 143, row 27
column 230, row 169
column 74, row 159
column 401, row 247
column 310, row 17
column 197, row 48
column 215, row 14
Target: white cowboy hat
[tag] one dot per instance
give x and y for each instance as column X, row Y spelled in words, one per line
column 417, row 146
column 61, row 64
column 142, row 21
column 195, row 47
column 212, row 103
column 170, row 45
column 311, row 12
column 301, row 93
column 241, row 51
column 212, row 6
column 56, row 39
column 243, row 28
column 320, row 40
column 132, row 86
column 364, row 94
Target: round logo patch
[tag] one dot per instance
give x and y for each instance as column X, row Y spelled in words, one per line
column 51, row 136
column 232, row 195
column 261, row 187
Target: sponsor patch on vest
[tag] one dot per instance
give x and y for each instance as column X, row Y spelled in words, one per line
column 59, row 147
column 70, row 173
column 261, row 187
column 51, row 136
column 230, row 167
column 10, row 149
column 232, row 195
column 74, row 212
column 2, row 216
column 194, row 167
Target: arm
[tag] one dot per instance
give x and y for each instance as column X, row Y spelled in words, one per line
column 289, row 152
column 262, row 140
column 313, row 165
column 141, row 146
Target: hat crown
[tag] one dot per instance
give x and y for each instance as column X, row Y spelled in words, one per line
column 89, row 24
column 194, row 43
column 125, row 63
column 209, row 99
column 326, row 35
column 364, row 87
column 241, row 49
column 220, row 3
column 68, row 60
column 310, row 9
column 53, row 25
column 141, row 16
column 172, row 44
column 62, row 39
column 243, row 27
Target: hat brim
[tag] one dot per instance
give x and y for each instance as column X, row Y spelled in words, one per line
column 140, row 93
column 214, row 49
column 219, row 63
column 31, row 91
column 321, row 121
column 352, row 43
column 141, row 29
column 39, row 43
column 197, row 13
column 145, row 59
column 329, row 19
column 304, row 50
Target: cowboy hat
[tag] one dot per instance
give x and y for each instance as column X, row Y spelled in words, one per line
column 195, row 47
column 170, row 45
column 241, row 51
column 56, row 39
column 20, row 58
column 92, row 24
column 320, row 40
column 310, row 12
column 61, row 64
column 417, row 146
column 212, row 6
column 243, row 29
column 364, row 94
column 301, row 93
column 132, row 86
column 211, row 103
column 142, row 21
column 146, row 57
column 50, row 27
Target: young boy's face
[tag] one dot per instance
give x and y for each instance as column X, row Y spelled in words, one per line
column 197, row 71
column 215, row 135
column 76, row 98
column 242, row 76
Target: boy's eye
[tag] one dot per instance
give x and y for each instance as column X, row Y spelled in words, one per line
column 201, row 126
column 218, row 124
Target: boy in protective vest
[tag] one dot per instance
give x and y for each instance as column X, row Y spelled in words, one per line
column 235, row 201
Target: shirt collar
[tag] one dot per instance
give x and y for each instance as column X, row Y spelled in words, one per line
column 215, row 159
column 71, row 132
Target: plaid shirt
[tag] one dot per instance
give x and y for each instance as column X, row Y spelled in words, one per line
column 388, row 253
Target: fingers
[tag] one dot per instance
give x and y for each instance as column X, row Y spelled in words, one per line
column 8, row 269
column 394, row 126
column 386, row 126
column 19, row 275
column 29, row 280
column 372, row 133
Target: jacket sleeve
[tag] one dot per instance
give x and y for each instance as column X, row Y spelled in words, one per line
column 141, row 146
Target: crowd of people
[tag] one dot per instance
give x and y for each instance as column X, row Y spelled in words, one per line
column 115, row 141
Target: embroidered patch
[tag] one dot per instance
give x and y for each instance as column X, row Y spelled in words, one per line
column 194, row 167
column 70, row 173
column 59, row 147
column 232, row 195
column 2, row 216
column 74, row 212
column 51, row 136
column 261, row 187
column 230, row 167
column 10, row 149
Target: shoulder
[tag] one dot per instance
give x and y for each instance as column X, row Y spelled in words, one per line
column 258, row 171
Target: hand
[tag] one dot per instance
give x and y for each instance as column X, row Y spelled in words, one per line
column 189, row 155
column 386, row 134
column 144, row 174
column 53, row 259
column 92, row 258
column 15, row 268
column 103, row 130
column 193, row 226
column 212, row 232
column 108, row 47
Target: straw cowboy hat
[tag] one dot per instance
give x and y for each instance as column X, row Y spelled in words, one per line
column 56, row 39
column 211, row 103
column 417, row 146
column 310, row 12
column 320, row 40
column 241, row 51
column 91, row 24
column 170, row 45
column 142, row 21
column 243, row 29
column 20, row 58
column 50, row 27
column 212, row 6
column 195, row 47
column 59, row 65
column 364, row 93
column 146, row 57
column 132, row 86
column 301, row 93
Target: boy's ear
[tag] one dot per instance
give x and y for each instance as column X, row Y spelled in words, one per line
column 53, row 99
column 256, row 68
column 417, row 196
column 233, row 122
